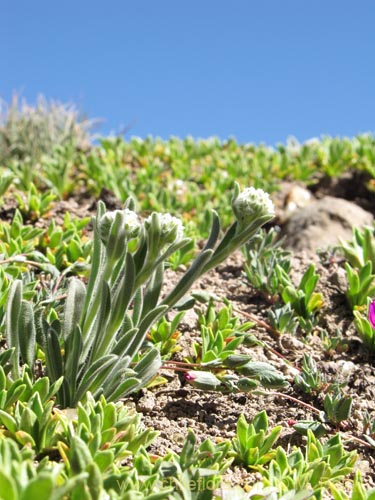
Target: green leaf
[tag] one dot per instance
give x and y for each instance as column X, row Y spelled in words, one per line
column 79, row 456
column 187, row 453
column 8, row 489
column 94, row 481
column 246, row 384
column 123, row 294
column 95, row 375
column 260, row 421
column 242, row 431
column 104, row 459
column 12, row 333
column 267, row 375
column 214, row 232
column 315, row 427
column 14, row 394
column 146, row 323
column 100, row 337
column 27, row 333
column 73, row 351
column 35, row 404
column 184, row 284
column 74, row 304
column 9, row 422
column 53, row 356
column 270, row 440
column 38, row 488
column 42, row 386
column 126, row 387
column 153, row 289
column 28, row 420
column 25, row 439
column 148, row 365
column 3, row 379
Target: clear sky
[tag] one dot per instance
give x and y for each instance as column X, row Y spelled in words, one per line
column 256, row 70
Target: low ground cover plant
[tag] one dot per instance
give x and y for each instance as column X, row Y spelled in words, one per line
column 104, row 326
column 86, row 325
column 27, row 132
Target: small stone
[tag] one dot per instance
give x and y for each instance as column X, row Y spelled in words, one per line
column 296, row 198
column 322, row 224
column 146, row 404
column 346, row 367
column 340, row 279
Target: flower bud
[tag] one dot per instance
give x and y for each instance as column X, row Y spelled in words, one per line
column 206, row 381
column 251, row 204
column 171, row 228
column 128, row 227
column 236, row 360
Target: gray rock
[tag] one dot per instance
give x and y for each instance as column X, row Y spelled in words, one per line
column 321, row 223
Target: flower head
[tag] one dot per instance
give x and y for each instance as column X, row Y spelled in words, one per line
column 251, row 204
column 128, row 224
column 171, row 228
column 371, row 313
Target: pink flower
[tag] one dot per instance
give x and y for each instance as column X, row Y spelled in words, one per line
column 371, row 313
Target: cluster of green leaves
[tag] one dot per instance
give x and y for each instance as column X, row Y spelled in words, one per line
column 360, row 272
column 315, row 472
column 181, row 175
column 95, row 451
column 100, row 450
column 98, row 343
column 34, row 204
column 262, row 254
column 52, row 249
column 267, row 268
column 337, row 404
column 221, row 334
column 165, row 335
column 303, row 299
column 310, row 379
column 30, row 254
column 253, row 444
column 67, row 247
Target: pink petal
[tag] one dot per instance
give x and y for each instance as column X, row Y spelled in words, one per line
column 371, row 313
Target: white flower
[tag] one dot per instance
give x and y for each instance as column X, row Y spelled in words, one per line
column 171, row 228
column 293, row 146
column 251, row 204
column 179, row 187
column 314, row 141
column 128, row 228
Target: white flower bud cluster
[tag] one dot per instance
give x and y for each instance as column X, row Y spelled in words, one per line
column 252, row 203
column 129, row 224
column 171, row 228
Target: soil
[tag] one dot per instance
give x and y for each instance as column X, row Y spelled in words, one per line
column 175, row 407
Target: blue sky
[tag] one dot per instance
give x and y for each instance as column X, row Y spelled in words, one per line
column 256, row 70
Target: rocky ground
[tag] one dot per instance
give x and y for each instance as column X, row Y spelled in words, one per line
column 310, row 220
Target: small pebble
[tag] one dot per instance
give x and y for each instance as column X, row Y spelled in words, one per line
column 146, row 403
